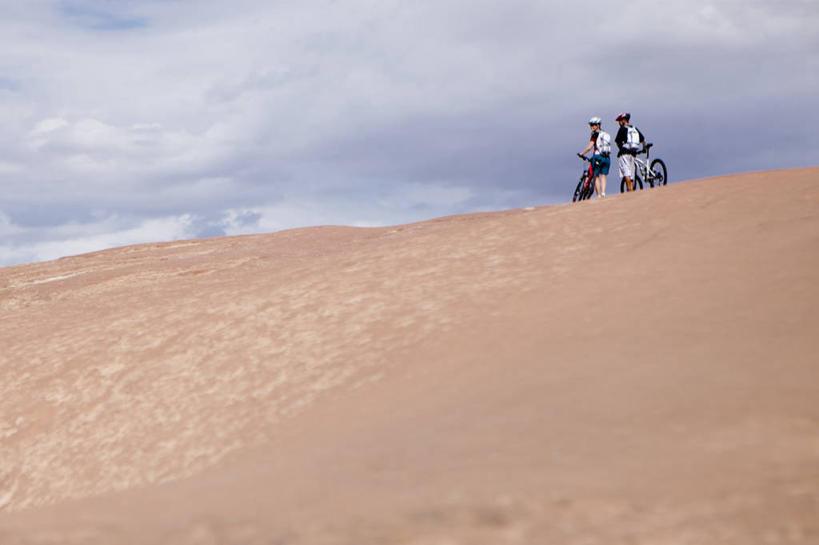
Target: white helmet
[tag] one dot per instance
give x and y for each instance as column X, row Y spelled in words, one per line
column 595, row 121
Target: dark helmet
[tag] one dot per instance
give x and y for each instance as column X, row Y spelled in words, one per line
column 624, row 115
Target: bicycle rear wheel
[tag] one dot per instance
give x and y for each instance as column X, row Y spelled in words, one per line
column 659, row 174
column 638, row 183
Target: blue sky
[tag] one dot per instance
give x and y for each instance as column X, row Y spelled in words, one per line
column 141, row 121
column 110, row 15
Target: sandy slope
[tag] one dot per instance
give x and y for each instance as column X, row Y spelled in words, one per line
column 642, row 369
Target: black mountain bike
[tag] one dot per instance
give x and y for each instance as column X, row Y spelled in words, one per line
column 585, row 187
column 655, row 176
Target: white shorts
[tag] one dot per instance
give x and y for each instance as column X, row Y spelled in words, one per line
column 626, row 165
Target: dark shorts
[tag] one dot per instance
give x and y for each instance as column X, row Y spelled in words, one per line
column 600, row 164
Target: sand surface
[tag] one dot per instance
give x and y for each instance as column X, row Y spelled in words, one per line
column 640, row 369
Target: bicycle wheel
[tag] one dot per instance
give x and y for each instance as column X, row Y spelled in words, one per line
column 579, row 187
column 638, row 183
column 659, row 174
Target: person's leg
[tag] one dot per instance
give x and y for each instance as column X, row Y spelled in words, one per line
column 622, row 165
column 595, row 174
column 596, row 164
column 604, row 172
column 629, row 171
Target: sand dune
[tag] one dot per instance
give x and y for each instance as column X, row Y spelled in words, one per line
column 640, row 369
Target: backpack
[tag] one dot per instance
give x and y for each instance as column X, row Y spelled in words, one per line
column 632, row 139
column 603, row 143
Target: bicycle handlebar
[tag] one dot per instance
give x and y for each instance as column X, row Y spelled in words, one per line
column 583, row 157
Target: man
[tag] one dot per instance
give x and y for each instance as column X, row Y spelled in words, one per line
column 600, row 142
column 629, row 142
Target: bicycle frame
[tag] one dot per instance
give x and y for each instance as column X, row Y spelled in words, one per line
column 641, row 168
column 590, row 174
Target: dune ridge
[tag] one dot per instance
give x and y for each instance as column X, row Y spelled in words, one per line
column 636, row 369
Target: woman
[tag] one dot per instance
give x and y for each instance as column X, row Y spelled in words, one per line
column 600, row 142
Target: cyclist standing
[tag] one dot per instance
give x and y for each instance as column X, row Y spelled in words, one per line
column 600, row 142
column 629, row 141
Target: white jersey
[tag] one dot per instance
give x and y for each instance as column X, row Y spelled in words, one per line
column 603, row 143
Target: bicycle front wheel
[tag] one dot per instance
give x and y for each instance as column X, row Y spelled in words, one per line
column 659, row 174
column 578, row 189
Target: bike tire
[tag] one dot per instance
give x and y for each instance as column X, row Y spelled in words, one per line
column 638, row 184
column 659, row 173
column 577, row 189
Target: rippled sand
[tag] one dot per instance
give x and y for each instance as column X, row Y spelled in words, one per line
column 640, row 369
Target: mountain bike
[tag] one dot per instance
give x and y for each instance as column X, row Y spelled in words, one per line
column 585, row 187
column 655, row 176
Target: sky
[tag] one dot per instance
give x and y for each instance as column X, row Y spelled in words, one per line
column 131, row 121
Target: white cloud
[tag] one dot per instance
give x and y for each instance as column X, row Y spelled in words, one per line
column 47, row 126
column 141, row 151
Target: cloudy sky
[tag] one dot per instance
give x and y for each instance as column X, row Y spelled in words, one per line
column 127, row 121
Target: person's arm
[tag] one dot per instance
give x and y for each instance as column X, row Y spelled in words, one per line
column 588, row 148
